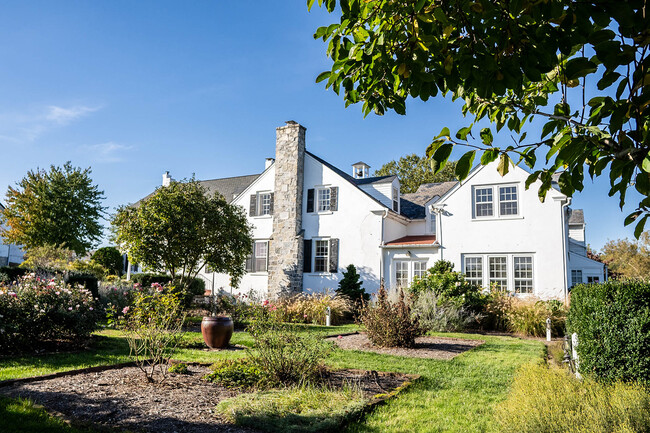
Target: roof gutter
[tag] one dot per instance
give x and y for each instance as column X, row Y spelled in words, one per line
column 433, row 245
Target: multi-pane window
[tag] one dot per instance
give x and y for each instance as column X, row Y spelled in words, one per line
column 321, row 255
column 523, row 270
column 395, row 199
column 483, row 201
column 576, row 277
column 419, row 269
column 496, row 201
column 593, row 280
column 264, row 203
column 402, row 273
column 499, row 271
column 432, row 223
column 474, row 270
column 261, row 256
column 323, row 199
column 508, row 200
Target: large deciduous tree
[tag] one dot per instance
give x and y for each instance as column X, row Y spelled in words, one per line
column 110, row 258
column 414, row 170
column 180, row 228
column 629, row 258
column 56, row 207
column 580, row 66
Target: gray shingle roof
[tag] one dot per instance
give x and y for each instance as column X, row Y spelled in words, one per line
column 412, row 205
column 229, row 186
column 576, row 216
column 375, row 180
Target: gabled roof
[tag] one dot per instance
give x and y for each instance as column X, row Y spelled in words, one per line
column 375, row 180
column 576, row 216
column 349, row 178
column 228, row 187
column 412, row 205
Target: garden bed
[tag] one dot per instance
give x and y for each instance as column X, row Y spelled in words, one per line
column 425, row 347
column 120, row 398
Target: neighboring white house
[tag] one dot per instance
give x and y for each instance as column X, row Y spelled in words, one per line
column 10, row 254
column 310, row 220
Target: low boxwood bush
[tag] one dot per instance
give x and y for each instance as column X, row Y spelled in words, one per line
column 550, row 400
column 34, row 311
column 612, row 321
column 237, row 373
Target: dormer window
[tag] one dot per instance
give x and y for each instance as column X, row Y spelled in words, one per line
column 395, row 199
column 495, row 201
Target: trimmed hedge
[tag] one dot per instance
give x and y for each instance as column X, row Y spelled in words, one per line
column 13, row 272
column 89, row 281
column 612, row 321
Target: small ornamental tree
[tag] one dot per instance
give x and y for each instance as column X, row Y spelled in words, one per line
column 350, row 286
column 110, row 258
column 56, row 207
column 181, row 228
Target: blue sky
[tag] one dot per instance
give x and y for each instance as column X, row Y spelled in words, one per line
column 133, row 89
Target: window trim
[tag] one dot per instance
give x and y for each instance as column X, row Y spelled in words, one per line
column 317, row 191
column 252, row 257
column 395, row 198
column 410, row 269
column 260, row 207
column 314, row 256
column 582, row 275
column 496, row 201
column 432, row 223
column 510, row 269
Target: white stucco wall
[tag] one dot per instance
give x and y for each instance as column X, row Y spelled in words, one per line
column 537, row 230
column 354, row 224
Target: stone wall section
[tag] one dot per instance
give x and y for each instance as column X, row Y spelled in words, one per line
column 286, row 245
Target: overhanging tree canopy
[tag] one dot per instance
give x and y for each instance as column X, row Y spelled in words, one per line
column 581, row 66
column 180, row 228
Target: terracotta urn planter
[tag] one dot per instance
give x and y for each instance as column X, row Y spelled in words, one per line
column 217, row 331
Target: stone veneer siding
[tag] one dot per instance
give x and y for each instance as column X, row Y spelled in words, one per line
column 286, row 245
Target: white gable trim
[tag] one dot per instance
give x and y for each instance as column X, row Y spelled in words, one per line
column 249, row 187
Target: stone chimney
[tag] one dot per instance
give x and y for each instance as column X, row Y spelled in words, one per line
column 286, row 245
column 268, row 162
column 167, row 179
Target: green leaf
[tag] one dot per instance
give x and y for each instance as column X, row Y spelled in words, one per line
column 463, row 133
column 532, row 178
column 632, row 217
column 441, row 156
column 310, row 3
column 434, row 146
column 489, row 155
column 440, row 15
column 504, row 164
column 645, row 165
column 443, row 133
column 464, row 164
column 486, row 136
column 323, row 76
column 642, row 183
column 639, row 227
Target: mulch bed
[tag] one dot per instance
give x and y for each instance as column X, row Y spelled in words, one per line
column 120, row 398
column 425, row 347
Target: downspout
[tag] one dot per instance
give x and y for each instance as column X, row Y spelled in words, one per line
column 565, row 254
column 381, row 249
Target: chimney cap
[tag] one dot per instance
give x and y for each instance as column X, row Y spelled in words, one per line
column 291, row 122
column 360, row 163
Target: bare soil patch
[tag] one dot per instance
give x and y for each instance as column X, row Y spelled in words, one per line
column 122, row 399
column 425, row 347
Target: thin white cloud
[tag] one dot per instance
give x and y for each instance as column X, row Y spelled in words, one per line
column 27, row 126
column 63, row 116
column 108, row 152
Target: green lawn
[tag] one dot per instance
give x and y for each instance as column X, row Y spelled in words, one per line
column 451, row 396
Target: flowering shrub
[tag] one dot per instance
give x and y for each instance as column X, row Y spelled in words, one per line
column 311, row 308
column 35, row 310
column 152, row 325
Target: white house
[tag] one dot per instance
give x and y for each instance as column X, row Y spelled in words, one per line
column 10, row 254
column 311, row 219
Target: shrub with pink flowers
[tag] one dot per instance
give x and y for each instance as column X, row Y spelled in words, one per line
column 34, row 311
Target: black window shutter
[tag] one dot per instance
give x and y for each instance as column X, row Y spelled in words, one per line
column 334, row 198
column 306, row 262
column 272, row 202
column 310, row 200
column 253, row 207
column 334, row 255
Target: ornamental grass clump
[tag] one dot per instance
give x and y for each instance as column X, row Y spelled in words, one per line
column 390, row 324
column 152, row 326
column 36, row 311
column 528, row 317
column 312, row 308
